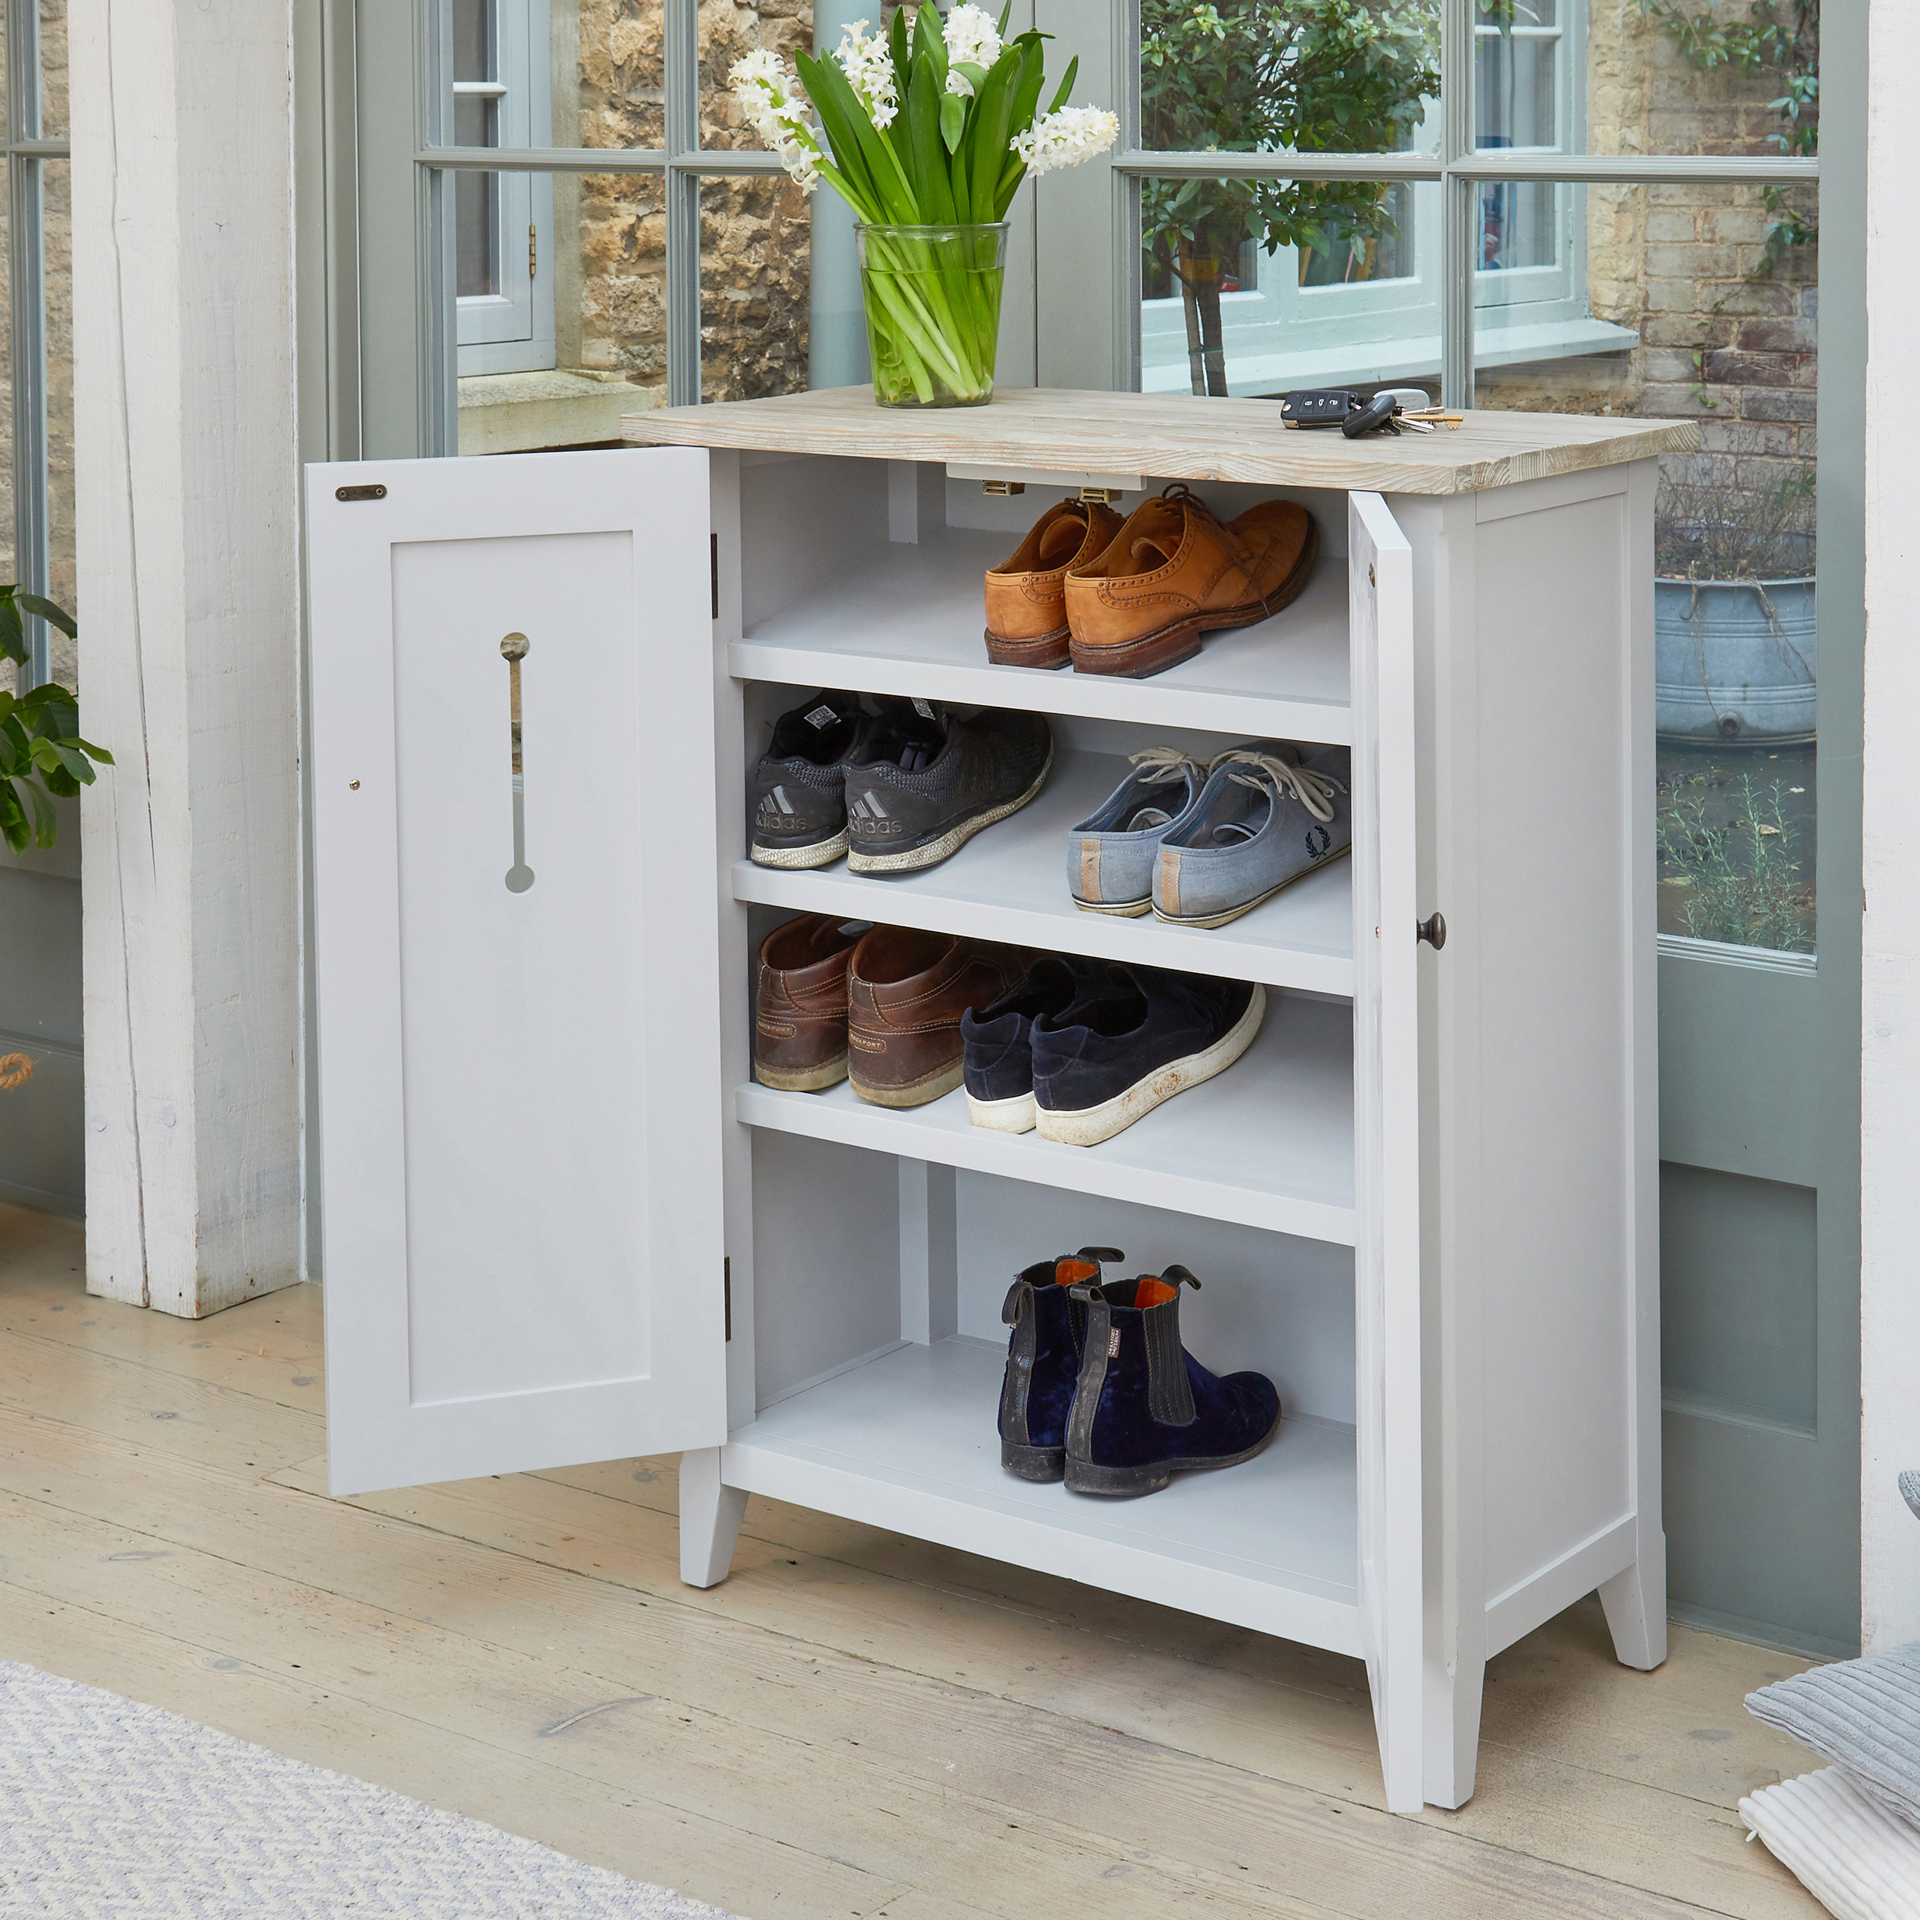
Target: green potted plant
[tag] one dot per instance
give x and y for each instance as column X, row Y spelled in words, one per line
column 42, row 756
column 926, row 133
column 1262, row 76
column 1734, row 612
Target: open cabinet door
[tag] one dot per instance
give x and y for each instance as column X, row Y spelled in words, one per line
column 516, row 944
column 1386, row 1037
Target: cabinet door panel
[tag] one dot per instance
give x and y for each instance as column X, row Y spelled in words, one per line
column 1387, row 1136
column 516, row 934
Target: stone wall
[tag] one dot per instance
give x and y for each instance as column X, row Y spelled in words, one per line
column 754, row 233
column 1726, row 338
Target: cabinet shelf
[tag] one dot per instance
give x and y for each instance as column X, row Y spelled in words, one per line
column 1010, row 883
column 909, row 621
column 907, row 1441
column 1268, row 1143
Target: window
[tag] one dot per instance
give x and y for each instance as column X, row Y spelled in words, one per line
column 1363, row 308
column 502, row 222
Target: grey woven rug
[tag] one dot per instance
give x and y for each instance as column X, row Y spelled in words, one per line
column 114, row 1811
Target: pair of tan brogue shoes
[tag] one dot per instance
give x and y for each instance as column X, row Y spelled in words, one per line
column 1134, row 597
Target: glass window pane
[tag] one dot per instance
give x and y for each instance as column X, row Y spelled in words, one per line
column 1517, row 100
column 54, row 124
column 1702, row 302
column 1265, row 76
column 1260, row 286
column 755, row 256
column 578, row 317
column 1646, row 85
column 727, row 33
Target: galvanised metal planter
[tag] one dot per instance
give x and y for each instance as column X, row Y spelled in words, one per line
column 1734, row 660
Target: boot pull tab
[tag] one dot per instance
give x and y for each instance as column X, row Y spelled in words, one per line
column 1178, row 1276
column 1010, row 1307
column 1101, row 1256
column 1089, row 1293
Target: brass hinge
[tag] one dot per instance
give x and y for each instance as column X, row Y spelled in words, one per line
column 533, row 252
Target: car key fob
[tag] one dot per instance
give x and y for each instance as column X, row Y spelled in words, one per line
column 1317, row 406
column 1376, row 414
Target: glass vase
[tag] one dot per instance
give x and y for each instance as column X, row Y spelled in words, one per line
column 933, row 311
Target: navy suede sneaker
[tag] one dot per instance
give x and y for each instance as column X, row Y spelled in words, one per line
column 1136, row 1036
column 998, row 1042
column 1144, row 1408
column 1043, row 1361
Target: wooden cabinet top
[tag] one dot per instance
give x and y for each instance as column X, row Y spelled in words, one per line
column 1169, row 436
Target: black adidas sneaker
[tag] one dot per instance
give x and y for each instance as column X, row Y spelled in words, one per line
column 925, row 783
column 797, row 796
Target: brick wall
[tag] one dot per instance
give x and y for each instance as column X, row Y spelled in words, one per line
column 1725, row 338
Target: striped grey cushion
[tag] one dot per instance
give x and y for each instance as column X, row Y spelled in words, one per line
column 1863, row 1716
column 1910, row 1492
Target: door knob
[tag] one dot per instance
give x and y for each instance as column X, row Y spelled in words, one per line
column 1433, row 930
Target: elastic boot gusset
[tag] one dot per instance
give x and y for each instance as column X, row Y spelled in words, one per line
column 1143, row 1408
column 1043, row 1361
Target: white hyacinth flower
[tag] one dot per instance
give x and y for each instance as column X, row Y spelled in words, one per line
column 1066, row 138
column 973, row 40
column 777, row 109
column 869, row 69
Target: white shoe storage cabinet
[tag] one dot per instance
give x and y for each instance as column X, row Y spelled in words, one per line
column 562, row 1223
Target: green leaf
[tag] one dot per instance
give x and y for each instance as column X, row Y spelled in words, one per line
column 902, row 52
column 1066, row 85
column 844, row 143
column 976, row 75
column 1006, row 14
column 54, row 616
column 953, row 117
column 46, row 822
column 846, row 119
column 13, row 636
column 992, row 119
column 99, row 753
column 925, row 109
column 13, row 819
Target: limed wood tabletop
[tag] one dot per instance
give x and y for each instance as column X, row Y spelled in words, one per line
column 1171, row 437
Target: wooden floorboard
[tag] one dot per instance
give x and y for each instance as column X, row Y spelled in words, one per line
column 853, row 1724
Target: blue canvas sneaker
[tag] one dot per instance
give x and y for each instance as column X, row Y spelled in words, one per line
column 1135, row 1036
column 1111, row 854
column 1144, row 1408
column 1265, row 817
column 1043, row 1360
column 997, row 1042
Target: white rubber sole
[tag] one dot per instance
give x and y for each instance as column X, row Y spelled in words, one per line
column 1121, row 909
column 1003, row 1116
column 823, row 853
column 949, row 842
column 1088, row 1126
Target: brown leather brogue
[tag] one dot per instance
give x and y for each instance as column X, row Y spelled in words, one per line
column 1026, row 597
column 800, row 1004
column 1175, row 571
column 906, row 991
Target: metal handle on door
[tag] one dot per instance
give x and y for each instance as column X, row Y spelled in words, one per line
column 513, row 650
column 1433, row 930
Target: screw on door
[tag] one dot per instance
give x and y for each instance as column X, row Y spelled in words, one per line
column 513, row 650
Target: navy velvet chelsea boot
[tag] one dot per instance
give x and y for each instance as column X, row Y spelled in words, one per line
column 1143, row 1408
column 1043, row 1361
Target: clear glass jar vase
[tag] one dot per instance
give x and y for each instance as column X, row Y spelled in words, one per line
column 933, row 311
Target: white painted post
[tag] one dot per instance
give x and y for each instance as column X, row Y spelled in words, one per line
column 1890, row 849
column 186, row 475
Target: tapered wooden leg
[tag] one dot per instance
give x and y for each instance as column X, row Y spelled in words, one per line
column 710, row 1514
column 1453, row 1730
column 1636, row 1607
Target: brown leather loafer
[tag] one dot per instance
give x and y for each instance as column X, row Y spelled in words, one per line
column 906, row 991
column 1175, row 572
column 1026, row 598
column 800, row 1004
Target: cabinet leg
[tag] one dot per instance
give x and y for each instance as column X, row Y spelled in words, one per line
column 1453, row 1731
column 710, row 1514
column 1636, row 1607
